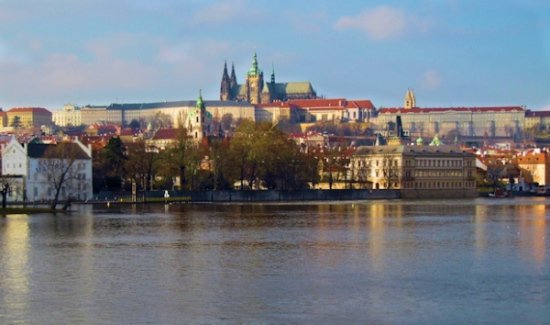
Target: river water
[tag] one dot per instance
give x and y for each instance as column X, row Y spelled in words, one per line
column 476, row 261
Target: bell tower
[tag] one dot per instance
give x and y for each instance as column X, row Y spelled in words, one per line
column 254, row 82
column 410, row 100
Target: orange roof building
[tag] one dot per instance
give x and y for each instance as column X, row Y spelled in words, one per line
column 28, row 117
column 538, row 164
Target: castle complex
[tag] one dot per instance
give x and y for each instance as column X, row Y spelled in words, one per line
column 257, row 91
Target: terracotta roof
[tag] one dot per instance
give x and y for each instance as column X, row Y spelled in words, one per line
column 305, row 103
column 332, row 103
column 535, row 158
column 166, row 134
column 417, row 110
column 29, row 109
column 365, row 103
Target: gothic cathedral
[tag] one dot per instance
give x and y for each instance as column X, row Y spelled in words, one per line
column 256, row 91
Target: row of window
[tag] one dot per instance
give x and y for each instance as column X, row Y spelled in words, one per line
column 439, row 185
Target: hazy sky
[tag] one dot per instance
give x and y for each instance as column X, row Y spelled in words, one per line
column 451, row 53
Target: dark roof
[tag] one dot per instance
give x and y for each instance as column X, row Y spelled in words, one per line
column 183, row 103
column 59, row 150
column 530, row 113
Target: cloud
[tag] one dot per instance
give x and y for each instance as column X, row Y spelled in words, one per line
column 431, row 80
column 380, row 23
column 118, row 67
column 225, row 11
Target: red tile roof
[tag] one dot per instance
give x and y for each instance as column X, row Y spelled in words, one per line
column 166, row 134
column 536, row 158
column 29, row 109
column 417, row 110
column 334, row 103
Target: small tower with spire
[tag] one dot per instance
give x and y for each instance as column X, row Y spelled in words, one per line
column 197, row 123
column 410, row 100
column 272, row 74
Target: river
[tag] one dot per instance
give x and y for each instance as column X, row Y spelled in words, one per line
column 476, row 261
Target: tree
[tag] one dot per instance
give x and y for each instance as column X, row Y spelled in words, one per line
column 112, row 161
column 16, row 122
column 219, row 151
column 334, row 163
column 174, row 160
column 390, row 171
column 57, row 166
column 6, row 184
column 140, row 164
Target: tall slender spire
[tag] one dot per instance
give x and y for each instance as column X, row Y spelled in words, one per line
column 225, row 87
column 200, row 102
column 225, row 74
column 233, row 78
column 272, row 73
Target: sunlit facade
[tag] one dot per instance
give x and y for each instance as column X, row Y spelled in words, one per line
column 418, row 171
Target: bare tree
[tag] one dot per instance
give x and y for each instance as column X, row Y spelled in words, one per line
column 57, row 165
column 6, row 184
column 390, row 170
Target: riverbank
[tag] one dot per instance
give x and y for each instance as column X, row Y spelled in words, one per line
column 25, row 210
column 246, row 196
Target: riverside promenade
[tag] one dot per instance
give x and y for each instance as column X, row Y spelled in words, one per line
column 246, row 196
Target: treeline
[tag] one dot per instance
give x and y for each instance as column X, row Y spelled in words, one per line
column 256, row 156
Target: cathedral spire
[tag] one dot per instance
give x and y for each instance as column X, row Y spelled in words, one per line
column 225, row 74
column 225, row 87
column 233, row 78
column 272, row 73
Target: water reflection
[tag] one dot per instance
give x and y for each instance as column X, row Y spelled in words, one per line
column 14, row 269
column 533, row 231
column 364, row 262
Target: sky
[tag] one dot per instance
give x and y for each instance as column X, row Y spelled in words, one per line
column 450, row 52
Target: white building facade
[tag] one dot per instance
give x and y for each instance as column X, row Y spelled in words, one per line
column 34, row 168
column 70, row 115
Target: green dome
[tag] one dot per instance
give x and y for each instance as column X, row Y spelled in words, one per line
column 254, row 70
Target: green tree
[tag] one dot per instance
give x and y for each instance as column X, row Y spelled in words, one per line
column 175, row 160
column 112, row 160
column 140, row 164
column 16, row 122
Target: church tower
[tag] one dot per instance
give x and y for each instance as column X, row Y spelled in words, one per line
column 225, row 88
column 254, row 82
column 197, row 124
column 410, row 100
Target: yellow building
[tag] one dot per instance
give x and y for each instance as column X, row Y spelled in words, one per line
column 418, row 171
column 538, row 165
column 537, row 120
column 29, row 117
